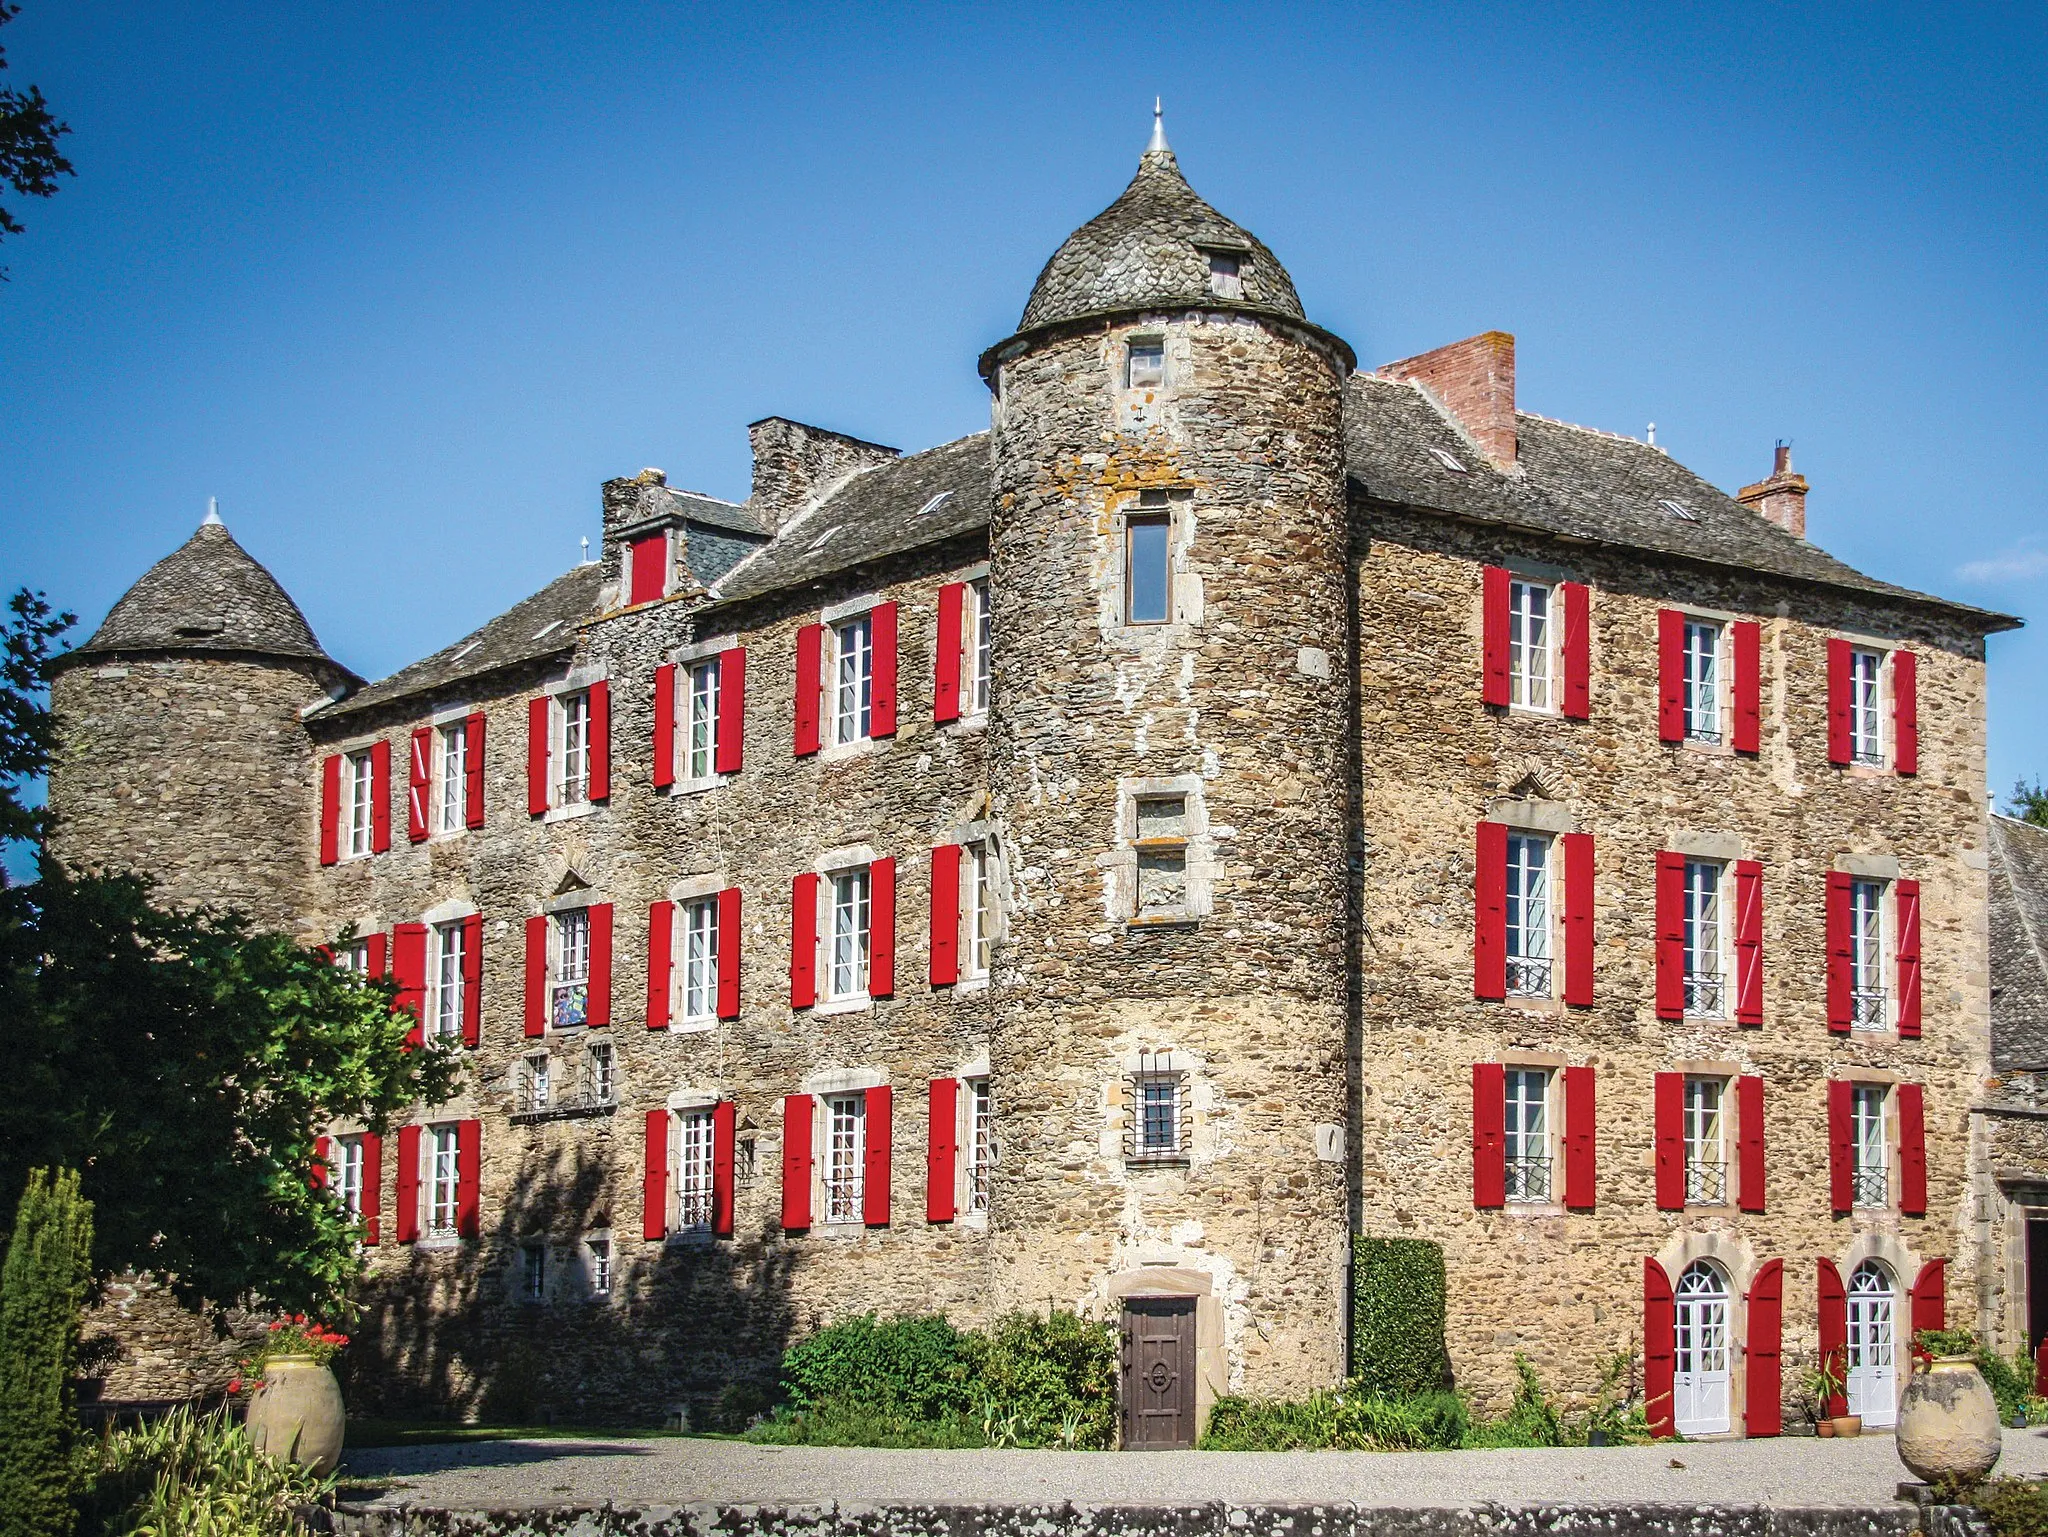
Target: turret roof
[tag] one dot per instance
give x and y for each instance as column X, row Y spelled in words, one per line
column 209, row 594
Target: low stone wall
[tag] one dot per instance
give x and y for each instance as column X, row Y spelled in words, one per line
column 143, row 1347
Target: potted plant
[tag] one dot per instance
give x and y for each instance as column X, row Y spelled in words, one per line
column 1948, row 1417
column 1818, row 1389
column 296, row 1412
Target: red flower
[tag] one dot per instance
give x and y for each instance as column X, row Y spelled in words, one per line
column 235, row 1385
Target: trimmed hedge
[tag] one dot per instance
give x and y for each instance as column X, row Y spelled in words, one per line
column 1397, row 1317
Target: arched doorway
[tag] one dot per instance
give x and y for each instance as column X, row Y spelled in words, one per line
column 1873, row 1389
column 1700, row 1353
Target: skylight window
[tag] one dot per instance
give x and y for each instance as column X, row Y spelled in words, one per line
column 1678, row 510
column 935, row 503
column 823, row 539
column 547, row 629
column 465, row 651
column 1447, row 459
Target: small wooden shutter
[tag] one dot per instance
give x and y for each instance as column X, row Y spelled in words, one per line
column 664, row 725
column 1905, row 712
column 1749, row 1143
column 1578, row 651
column 537, row 975
column 1660, row 1327
column 1762, row 1413
column 469, row 1136
column 1489, row 1134
column 945, row 965
column 1841, row 1153
column 1670, row 675
column 1929, row 1305
column 1749, row 942
column 650, row 568
column 1493, row 603
column 409, row 971
column 882, row 697
column 1838, row 702
column 1668, row 1092
column 408, row 1184
column 1578, row 1138
column 810, row 686
column 473, row 770
column 597, row 1009
column 1578, row 918
column 1841, row 954
column 1670, row 919
column 951, row 652
column 373, row 1188
column 661, row 959
column 724, row 1140
column 654, row 1179
column 419, row 784
column 1746, row 641
column 729, row 953
column 882, row 929
column 538, row 721
column 729, row 751
column 1834, row 1329
column 1490, row 912
column 1912, row 1149
column 803, row 942
column 796, row 1163
column 1907, row 927
column 330, row 809
column 473, row 980
column 600, row 740
column 380, row 797
column 374, row 949
column 878, row 1135
column 323, row 1151
column 942, row 1150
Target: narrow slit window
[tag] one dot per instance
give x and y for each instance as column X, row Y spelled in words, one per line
column 981, row 653
column 981, row 1142
column 1148, row 572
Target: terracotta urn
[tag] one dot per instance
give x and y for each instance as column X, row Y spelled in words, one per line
column 296, row 1414
column 1948, row 1422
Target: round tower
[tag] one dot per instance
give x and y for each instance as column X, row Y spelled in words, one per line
column 181, row 752
column 1169, row 762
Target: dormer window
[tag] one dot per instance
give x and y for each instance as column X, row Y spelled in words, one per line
column 1226, row 279
column 1146, row 366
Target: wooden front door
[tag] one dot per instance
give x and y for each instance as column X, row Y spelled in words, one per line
column 1159, row 1373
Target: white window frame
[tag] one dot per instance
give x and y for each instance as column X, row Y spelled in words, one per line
column 348, row 1174
column 1527, row 1137
column 850, row 684
column 1871, row 1003
column 700, row 684
column 979, row 625
column 697, row 962
column 598, row 1265
column 570, row 714
column 1706, row 939
column 1530, row 914
column 1702, row 1350
column 353, row 956
column 1533, row 649
column 978, row 1143
column 536, row 1081
column 600, row 1073
column 1150, row 374
column 1867, row 688
column 359, row 790
column 1704, row 1125
column 1702, row 679
column 978, row 908
column 451, row 942
column 568, row 968
column 846, row 937
column 1870, row 1146
column 1872, row 1345
column 693, row 1149
column 441, row 1184
column 842, row 1169
column 450, row 776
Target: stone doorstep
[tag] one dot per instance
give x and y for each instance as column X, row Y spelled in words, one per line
column 1139, row 1520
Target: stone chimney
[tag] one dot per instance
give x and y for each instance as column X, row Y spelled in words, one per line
column 796, row 465
column 1782, row 498
column 1474, row 382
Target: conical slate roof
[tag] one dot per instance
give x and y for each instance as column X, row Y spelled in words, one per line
column 209, row 594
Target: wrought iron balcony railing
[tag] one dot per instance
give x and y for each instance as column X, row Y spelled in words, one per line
column 1528, row 976
column 1528, row 1179
column 1706, row 1182
column 1867, row 1008
column 1872, row 1188
column 1706, row 994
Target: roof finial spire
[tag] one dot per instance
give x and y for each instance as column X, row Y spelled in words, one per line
column 212, row 512
column 1158, row 131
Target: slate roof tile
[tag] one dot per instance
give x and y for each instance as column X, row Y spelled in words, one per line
column 2019, row 945
column 209, row 594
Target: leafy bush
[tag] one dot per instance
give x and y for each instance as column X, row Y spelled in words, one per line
column 2016, row 1507
column 42, row 1289
column 189, row 1474
column 901, row 1368
column 1532, row 1420
column 2011, row 1381
column 1946, row 1342
column 1057, row 1375
column 1350, row 1420
column 1397, row 1289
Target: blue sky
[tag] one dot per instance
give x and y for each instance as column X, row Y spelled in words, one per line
column 402, row 284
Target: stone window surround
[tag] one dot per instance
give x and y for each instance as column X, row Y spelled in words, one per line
column 1185, row 595
column 839, row 861
column 683, row 1102
column 1514, row 1058
column 1887, row 733
column 688, row 889
column 1546, row 574
column 1724, row 678
column 1120, row 866
column 586, row 1264
column 444, row 912
column 443, row 718
column 574, row 681
column 578, row 900
column 1723, row 849
column 822, row 1084
column 831, row 616
column 969, row 719
column 428, row 1241
column 1883, row 868
column 686, row 657
column 1195, row 1111
column 666, row 526
column 1534, row 814
column 1876, row 1077
column 967, row 1069
column 348, row 749
column 1731, row 1128
column 981, row 830
column 1738, row 1266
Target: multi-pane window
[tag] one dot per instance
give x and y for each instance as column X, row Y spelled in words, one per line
column 536, row 1082
column 1866, row 719
column 533, row 1268
column 1528, row 916
column 1158, row 1115
column 354, row 956
column 980, row 669
column 1527, row 1146
column 980, row 907
column 1226, row 277
column 571, row 997
column 847, row 959
column 846, row 1119
column 442, row 1187
column 1706, row 1155
column 1148, row 561
column 348, row 1174
column 600, row 1077
column 1869, row 998
column 700, row 961
column 1145, row 368
column 1701, row 680
column 1162, row 847
column 1870, row 1150
column 981, row 1142
column 853, row 679
column 574, row 787
column 701, row 721
column 600, row 1266
column 1705, row 976
column 451, row 801
column 693, row 1171
column 361, row 777
column 1531, row 647
column 451, row 951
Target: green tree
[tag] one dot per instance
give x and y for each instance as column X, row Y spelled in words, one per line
column 30, row 162
column 42, row 1288
column 2029, row 802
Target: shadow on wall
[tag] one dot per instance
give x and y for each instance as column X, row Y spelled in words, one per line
column 452, row 1332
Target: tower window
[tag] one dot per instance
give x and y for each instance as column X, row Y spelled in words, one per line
column 1148, row 566
column 1226, row 280
column 1146, row 366
column 1162, row 854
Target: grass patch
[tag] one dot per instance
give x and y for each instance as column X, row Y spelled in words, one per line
column 368, row 1434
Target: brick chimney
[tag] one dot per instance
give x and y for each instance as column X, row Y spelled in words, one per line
column 1782, row 498
column 796, row 465
column 1474, row 381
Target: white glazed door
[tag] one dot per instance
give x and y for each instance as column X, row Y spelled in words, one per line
column 1873, row 1375
column 1701, row 1381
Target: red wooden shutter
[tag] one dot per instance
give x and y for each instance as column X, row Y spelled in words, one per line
column 951, row 652
column 1660, row 1329
column 729, row 953
column 537, row 975
column 796, row 1162
column 1493, row 605
column 330, row 809
column 1841, row 954
column 1670, row 919
column 538, row 722
column 664, row 725
column 724, row 1138
column 373, row 1188
column 942, row 1150
column 810, row 686
column 473, row 979
column 661, row 959
column 882, row 635
column 1578, row 918
column 419, row 781
column 1670, row 675
column 408, row 1212
column 1834, row 1329
column 1578, row 651
column 597, row 1008
column 468, row 1176
column 1668, row 1093
column 374, row 946
column 1905, row 712
column 1912, row 1150
column 1490, row 912
column 1841, row 1155
column 878, row 1135
column 1929, row 1307
column 803, row 942
column 882, row 929
column 380, row 797
column 654, row 1181
column 945, row 915
column 1749, row 942
column 1578, row 1138
column 1746, row 640
column 1489, row 1134
column 322, row 1153
column 1749, row 1143
column 1907, row 921
column 650, row 569
column 473, row 770
column 1838, row 702
column 409, row 971
column 600, row 740
column 1762, row 1414
column 729, row 750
